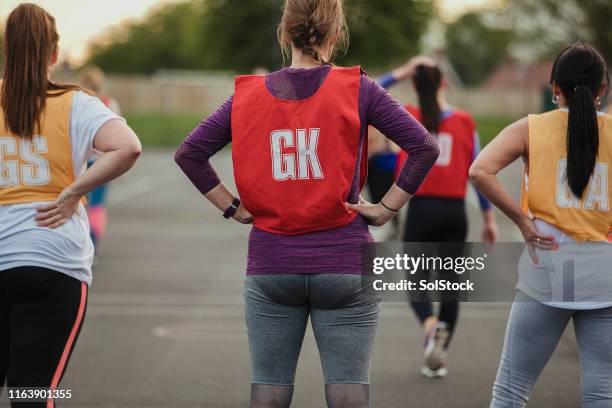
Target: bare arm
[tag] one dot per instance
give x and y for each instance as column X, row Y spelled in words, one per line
column 120, row 147
column 508, row 146
column 404, row 71
column 221, row 197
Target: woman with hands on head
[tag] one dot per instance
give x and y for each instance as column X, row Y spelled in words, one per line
column 437, row 213
column 48, row 131
column 298, row 151
column 566, row 222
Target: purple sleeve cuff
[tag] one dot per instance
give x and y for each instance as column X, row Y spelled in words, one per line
column 210, row 136
column 393, row 120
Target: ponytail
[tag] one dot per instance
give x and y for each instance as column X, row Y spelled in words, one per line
column 427, row 81
column 579, row 71
column 582, row 139
column 30, row 40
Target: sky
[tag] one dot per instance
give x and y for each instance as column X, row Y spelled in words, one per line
column 80, row 21
column 452, row 9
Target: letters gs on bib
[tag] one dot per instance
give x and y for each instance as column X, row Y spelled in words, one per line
column 33, row 169
column 294, row 154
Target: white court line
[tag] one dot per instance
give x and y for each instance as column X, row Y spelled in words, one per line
column 127, row 191
column 211, row 306
column 217, row 312
column 214, row 300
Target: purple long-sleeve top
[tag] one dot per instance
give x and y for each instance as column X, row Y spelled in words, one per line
column 333, row 251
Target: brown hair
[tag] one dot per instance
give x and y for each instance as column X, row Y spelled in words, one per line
column 30, row 39
column 309, row 24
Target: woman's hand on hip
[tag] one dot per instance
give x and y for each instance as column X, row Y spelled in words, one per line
column 57, row 213
column 375, row 214
column 242, row 215
column 536, row 240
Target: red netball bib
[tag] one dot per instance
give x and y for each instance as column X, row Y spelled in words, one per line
column 294, row 160
column 449, row 176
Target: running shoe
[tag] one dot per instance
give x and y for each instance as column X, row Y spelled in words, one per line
column 435, row 352
column 439, row 373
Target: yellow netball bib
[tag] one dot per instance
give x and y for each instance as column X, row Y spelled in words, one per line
column 38, row 169
column 546, row 193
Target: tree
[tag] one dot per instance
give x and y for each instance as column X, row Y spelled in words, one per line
column 474, row 48
column 385, row 32
column 239, row 36
column 545, row 26
column 382, row 32
column 167, row 38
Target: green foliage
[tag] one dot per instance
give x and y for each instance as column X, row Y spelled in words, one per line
column 241, row 35
column 474, row 48
column 169, row 130
column 545, row 26
column 385, row 32
column 163, row 130
column 168, row 38
column 490, row 126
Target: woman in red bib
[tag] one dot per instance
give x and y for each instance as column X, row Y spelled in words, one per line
column 299, row 163
column 438, row 212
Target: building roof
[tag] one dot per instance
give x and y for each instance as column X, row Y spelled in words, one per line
column 512, row 74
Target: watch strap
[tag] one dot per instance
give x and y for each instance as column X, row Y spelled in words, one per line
column 231, row 210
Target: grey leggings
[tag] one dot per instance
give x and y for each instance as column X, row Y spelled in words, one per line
column 344, row 319
column 532, row 334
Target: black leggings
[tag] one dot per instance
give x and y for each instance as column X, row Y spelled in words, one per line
column 432, row 219
column 41, row 313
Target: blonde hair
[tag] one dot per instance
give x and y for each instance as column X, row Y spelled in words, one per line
column 309, row 24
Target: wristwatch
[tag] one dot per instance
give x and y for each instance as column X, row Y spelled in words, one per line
column 231, row 210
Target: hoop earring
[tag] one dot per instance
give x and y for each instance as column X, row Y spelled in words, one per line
column 598, row 101
column 555, row 99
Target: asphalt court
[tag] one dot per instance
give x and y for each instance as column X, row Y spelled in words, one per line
column 165, row 323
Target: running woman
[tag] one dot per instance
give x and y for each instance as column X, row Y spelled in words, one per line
column 299, row 156
column 566, row 200
column 93, row 80
column 47, row 132
column 437, row 212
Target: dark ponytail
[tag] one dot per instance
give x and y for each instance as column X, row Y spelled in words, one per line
column 579, row 70
column 582, row 139
column 427, row 80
